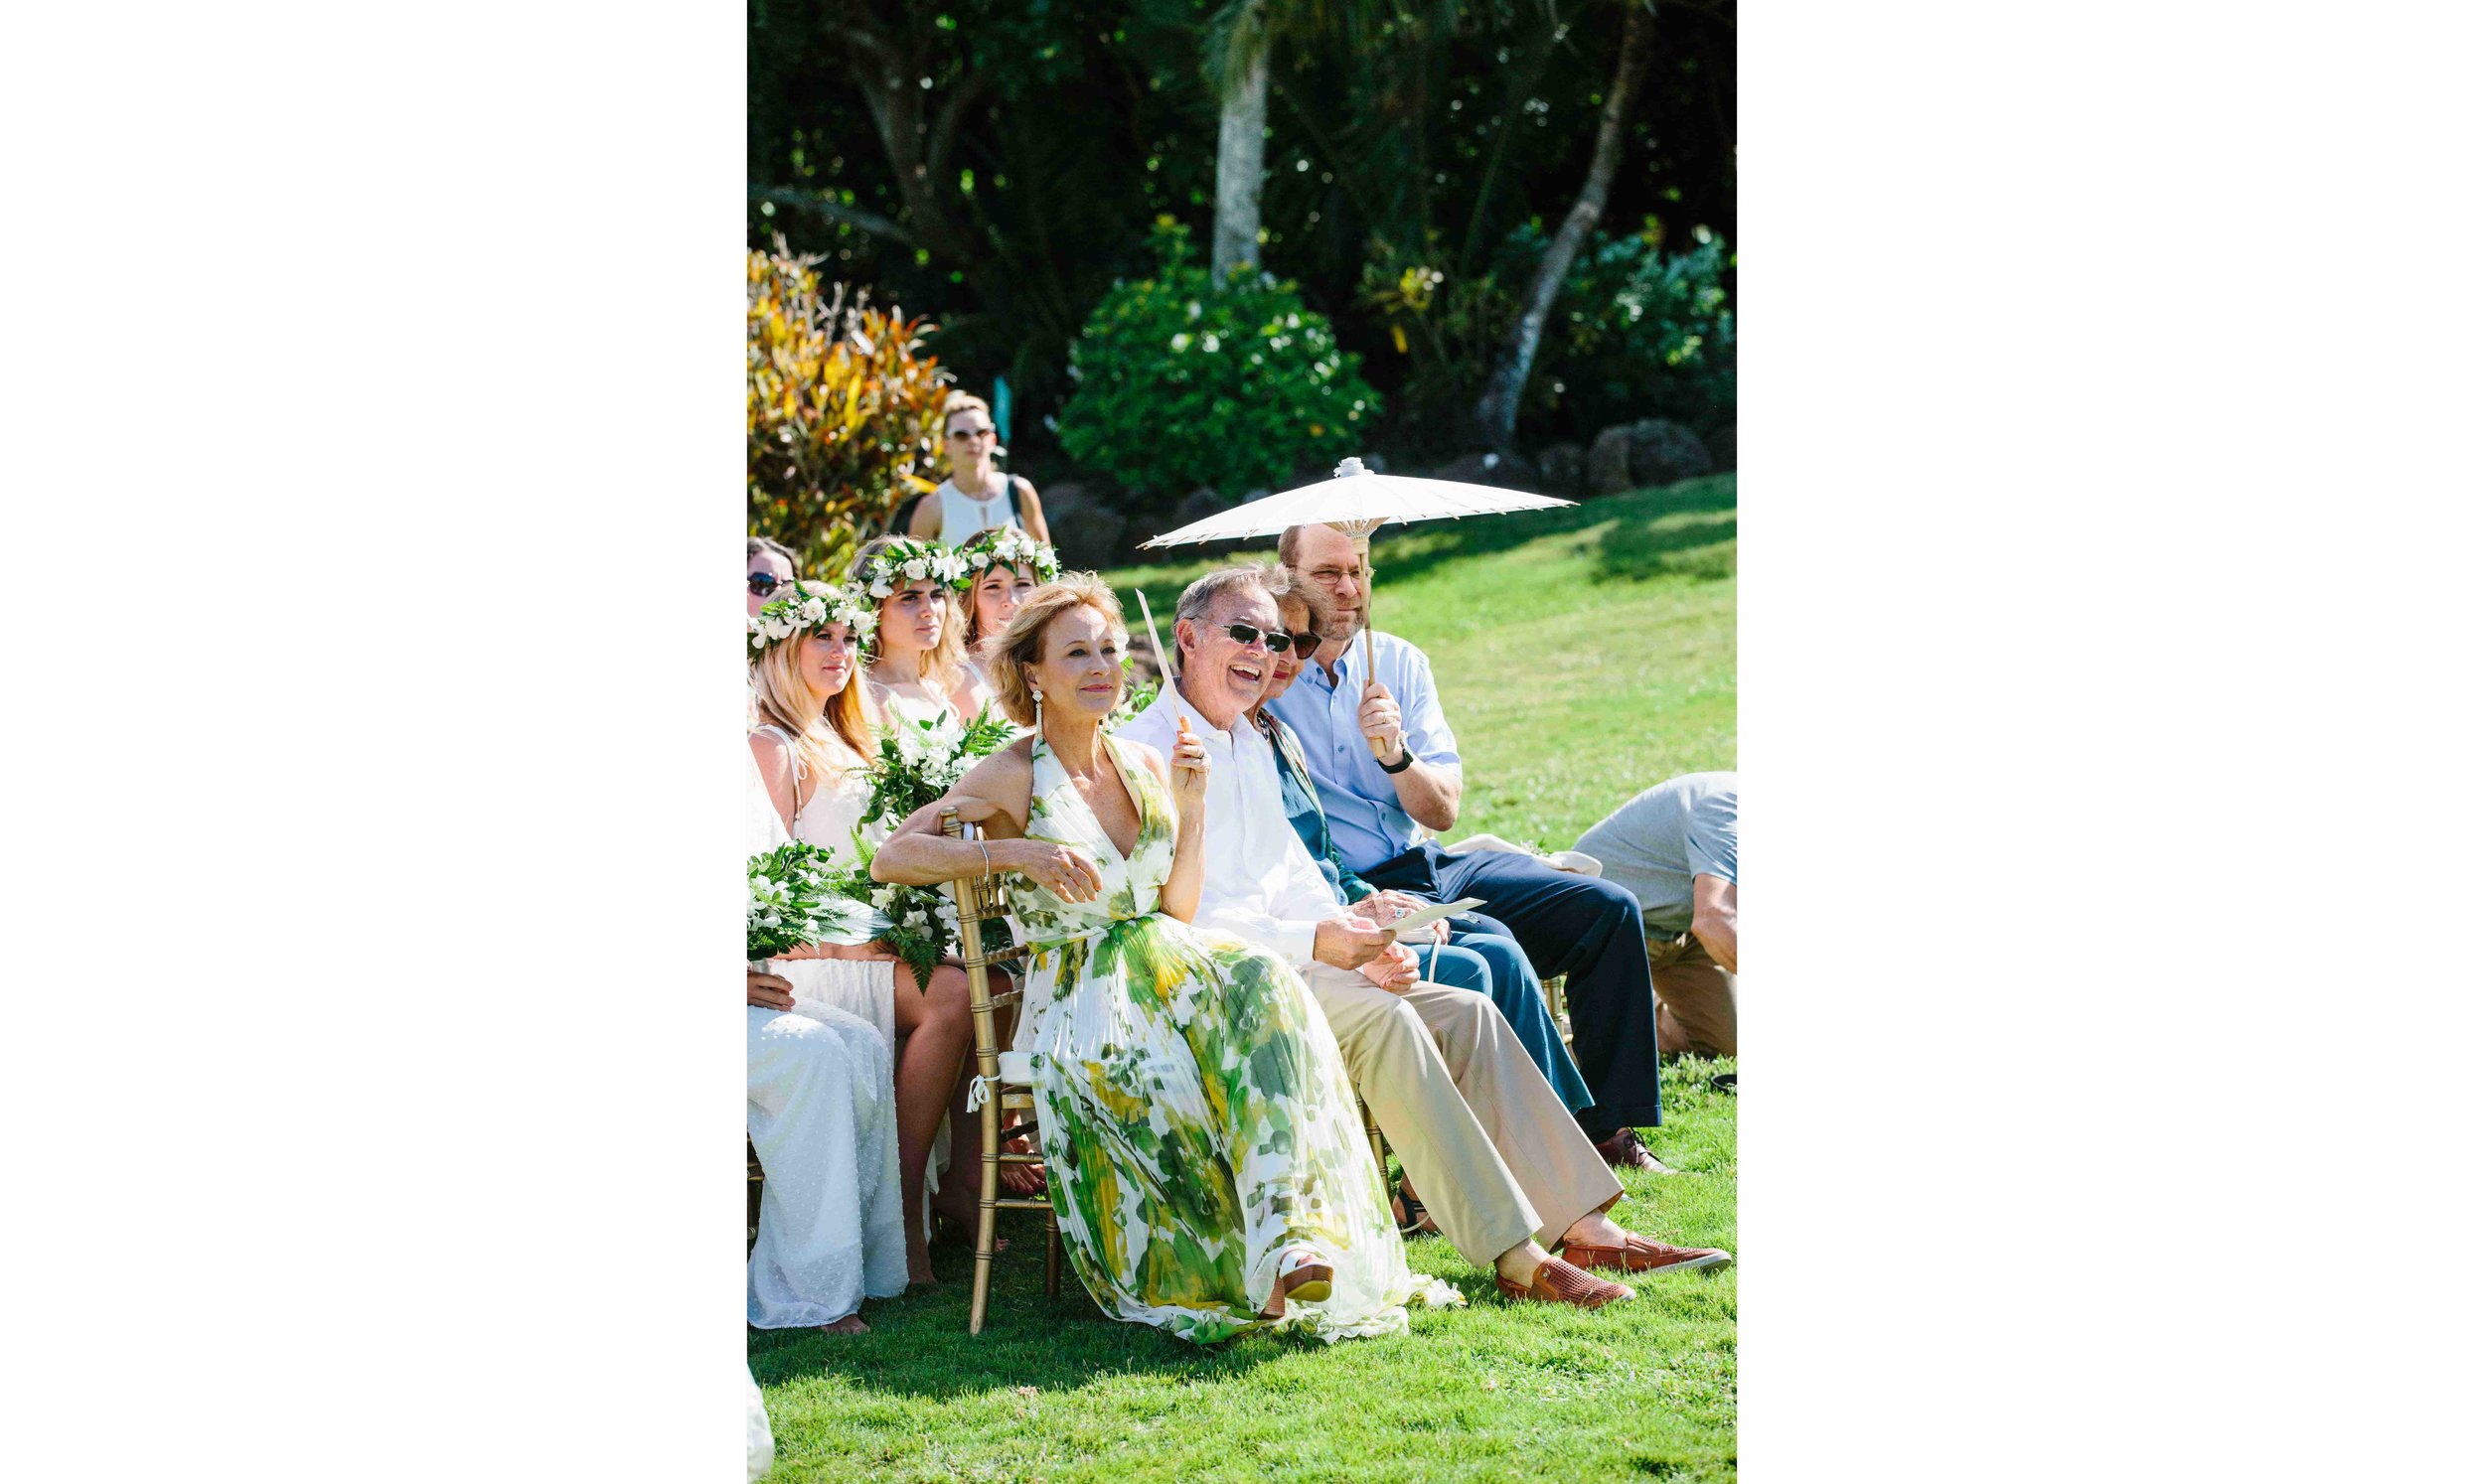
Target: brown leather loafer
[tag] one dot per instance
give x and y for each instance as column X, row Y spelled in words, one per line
column 1644, row 1255
column 1623, row 1152
column 1559, row 1282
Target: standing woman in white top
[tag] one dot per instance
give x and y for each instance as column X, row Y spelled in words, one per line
column 919, row 673
column 975, row 497
column 813, row 734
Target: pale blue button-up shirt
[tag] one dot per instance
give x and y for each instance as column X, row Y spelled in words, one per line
column 1359, row 799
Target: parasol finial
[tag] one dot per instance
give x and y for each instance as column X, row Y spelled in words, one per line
column 1351, row 467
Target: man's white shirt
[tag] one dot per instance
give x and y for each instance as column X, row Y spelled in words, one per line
column 1261, row 883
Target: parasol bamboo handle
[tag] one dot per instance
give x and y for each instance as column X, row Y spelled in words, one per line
column 1371, row 668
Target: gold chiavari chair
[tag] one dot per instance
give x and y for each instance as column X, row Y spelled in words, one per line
column 1002, row 1076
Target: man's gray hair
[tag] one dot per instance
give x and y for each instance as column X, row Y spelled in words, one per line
column 1201, row 596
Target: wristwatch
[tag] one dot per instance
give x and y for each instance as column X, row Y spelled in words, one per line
column 1405, row 760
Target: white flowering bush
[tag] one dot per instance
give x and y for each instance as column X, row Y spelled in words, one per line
column 1183, row 383
column 905, row 559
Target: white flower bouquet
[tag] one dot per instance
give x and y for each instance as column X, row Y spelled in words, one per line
column 921, row 760
column 920, row 922
column 801, row 894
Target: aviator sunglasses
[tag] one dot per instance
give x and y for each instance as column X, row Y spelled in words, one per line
column 1278, row 643
column 764, row 584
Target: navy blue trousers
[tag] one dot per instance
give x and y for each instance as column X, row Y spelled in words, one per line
column 1581, row 926
column 1494, row 967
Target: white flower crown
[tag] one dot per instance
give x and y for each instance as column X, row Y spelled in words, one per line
column 1006, row 547
column 812, row 605
column 905, row 559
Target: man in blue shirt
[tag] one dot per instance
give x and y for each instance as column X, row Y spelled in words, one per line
column 1578, row 926
column 1490, row 964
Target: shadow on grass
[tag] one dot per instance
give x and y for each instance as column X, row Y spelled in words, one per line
column 918, row 1345
column 1643, row 532
column 1683, row 530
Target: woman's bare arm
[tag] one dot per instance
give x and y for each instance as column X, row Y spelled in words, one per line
column 1031, row 511
column 993, row 795
column 776, row 769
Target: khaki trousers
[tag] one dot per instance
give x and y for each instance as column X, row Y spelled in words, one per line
column 1490, row 1147
column 1696, row 995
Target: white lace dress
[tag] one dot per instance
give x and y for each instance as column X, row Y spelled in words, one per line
column 823, row 1116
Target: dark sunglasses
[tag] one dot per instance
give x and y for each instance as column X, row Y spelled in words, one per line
column 1278, row 643
column 764, row 584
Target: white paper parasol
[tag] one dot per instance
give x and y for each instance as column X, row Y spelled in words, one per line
column 1356, row 502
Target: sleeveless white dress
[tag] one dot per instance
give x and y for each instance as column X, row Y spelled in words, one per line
column 823, row 1116
column 962, row 516
column 829, row 818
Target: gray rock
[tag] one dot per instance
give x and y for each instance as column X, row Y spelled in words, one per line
column 1199, row 504
column 1562, row 470
column 1662, row 451
column 1721, row 449
column 1608, row 461
column 1086, row 530
column 1500, row 471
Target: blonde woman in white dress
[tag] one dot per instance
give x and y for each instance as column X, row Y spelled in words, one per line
column 918, row 670
column 976, row 495
column 814, row 733
column 832, row 1229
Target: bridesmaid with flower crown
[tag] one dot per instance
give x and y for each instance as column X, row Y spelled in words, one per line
column 1004, row 567
column 807, row 652
column 920, row 672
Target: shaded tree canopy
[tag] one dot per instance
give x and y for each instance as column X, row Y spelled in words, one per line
column 996, row 163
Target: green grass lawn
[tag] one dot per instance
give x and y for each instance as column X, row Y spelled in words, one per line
column 1584, row 654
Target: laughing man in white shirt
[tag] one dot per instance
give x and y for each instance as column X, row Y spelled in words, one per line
column 1499, row 1160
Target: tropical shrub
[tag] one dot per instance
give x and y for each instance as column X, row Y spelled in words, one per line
column 842, row 410
column 1635, row 332
column 1183, row 384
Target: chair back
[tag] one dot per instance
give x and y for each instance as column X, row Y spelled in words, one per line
column 978, row 901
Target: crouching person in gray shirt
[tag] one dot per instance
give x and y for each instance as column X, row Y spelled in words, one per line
column 1673, row 849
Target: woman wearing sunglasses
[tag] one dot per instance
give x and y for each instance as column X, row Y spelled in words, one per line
column 1491, row 965
column 770, row 568
column 975, row 497
column 920, row 674
column 808, row 646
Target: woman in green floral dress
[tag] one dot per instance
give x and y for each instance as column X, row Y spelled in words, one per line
column 1208, row 1165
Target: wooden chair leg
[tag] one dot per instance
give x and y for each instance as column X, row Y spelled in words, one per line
column 1372, row 1130
column 985, row 1212
column 1051, row 1255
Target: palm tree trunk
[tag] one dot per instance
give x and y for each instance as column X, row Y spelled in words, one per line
column 1496, row 413
column 1241, row 157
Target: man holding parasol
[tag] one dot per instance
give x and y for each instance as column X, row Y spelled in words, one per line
column 1384, row 761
